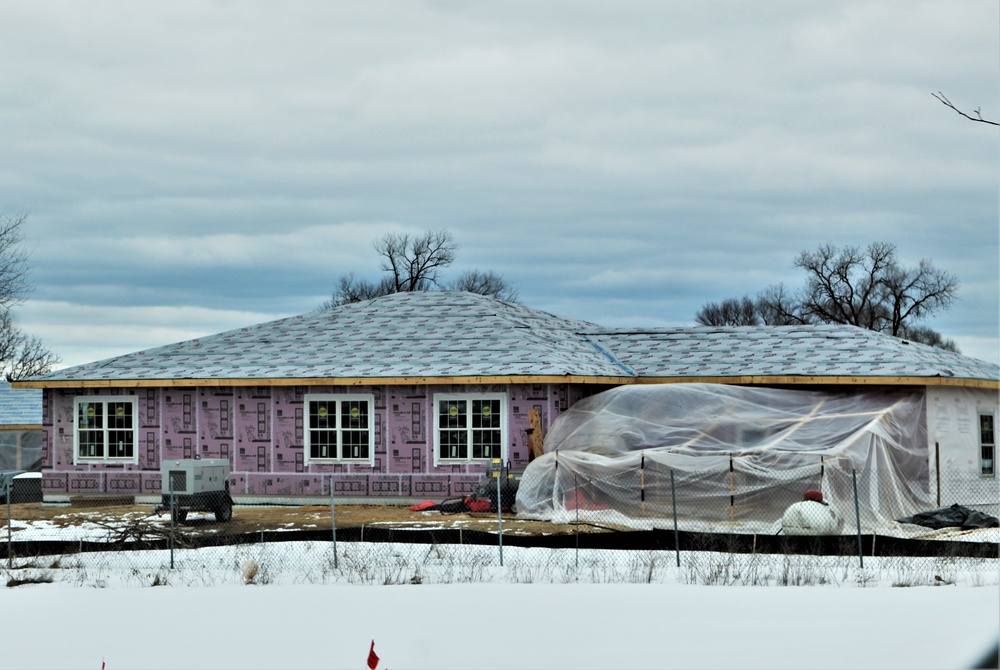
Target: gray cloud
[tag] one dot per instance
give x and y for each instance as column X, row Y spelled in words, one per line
column 619, row 162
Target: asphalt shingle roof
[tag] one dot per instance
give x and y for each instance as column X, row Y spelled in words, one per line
column 821, row 350
column 453, row 334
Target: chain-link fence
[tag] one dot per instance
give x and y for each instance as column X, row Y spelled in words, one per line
column 812, row 525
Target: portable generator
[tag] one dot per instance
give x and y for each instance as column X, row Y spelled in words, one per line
column 196, row 485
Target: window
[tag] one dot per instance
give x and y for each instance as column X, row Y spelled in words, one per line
column 105, row 428
column 987, row 445
column 339, row 428
column 469, row 427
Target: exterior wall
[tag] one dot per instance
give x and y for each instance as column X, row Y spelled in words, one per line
column 953, row 441
column 260, row 431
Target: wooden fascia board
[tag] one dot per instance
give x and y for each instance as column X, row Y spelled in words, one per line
column 803, row 380
column 745, row 380
column 323, row 381
column 10, row 427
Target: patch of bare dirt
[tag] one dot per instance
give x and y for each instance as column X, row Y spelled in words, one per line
column 249, row 519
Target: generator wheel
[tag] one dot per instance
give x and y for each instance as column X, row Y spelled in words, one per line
column 224, row 510
column 180, row 515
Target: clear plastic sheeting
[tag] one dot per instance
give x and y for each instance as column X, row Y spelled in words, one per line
column 733, row 458
column 20, row 450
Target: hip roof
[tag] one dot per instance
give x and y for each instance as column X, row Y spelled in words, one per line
column 423, row 337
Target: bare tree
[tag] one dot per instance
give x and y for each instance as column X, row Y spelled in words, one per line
column 413, row 263
column 729, row 312
column 861, row 287
column 21, row 355
column 14, row 284
column 487, row 283
column 844, row 285
column 917, row 293
column 777, row 307
column 869, row 288
column 351, row 289
column 978, row 115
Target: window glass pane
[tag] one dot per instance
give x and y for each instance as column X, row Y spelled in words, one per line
column 322, row 413
column 91, row 415
column 355, row 444
column 987, row 445
column 485, row 413
column 486, row 444
column 323, row 444
column 354, row 414
column 119, row 444
column 451, row 414
column 986, row 435
column 119, row 415
column 452, row 444
column 91, row 444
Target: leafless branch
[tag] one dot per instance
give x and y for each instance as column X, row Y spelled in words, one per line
column 978, row 115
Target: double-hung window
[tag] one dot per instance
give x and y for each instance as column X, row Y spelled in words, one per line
column 987, row 445
column 105, row 428
column 469, row 427
column 340, row 428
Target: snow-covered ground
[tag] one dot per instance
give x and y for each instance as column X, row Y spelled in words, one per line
column 286, row 605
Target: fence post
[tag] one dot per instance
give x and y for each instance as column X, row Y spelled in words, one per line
column 576, row 493
column 732, row 492
column 673, row 499
column 170, row 490
column 642, row 482
column 8, row 486
column 857, row 516
column 333, row 524
column 497, row 472
column 937, row 470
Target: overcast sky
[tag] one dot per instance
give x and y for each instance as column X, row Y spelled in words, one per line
column 191, row 167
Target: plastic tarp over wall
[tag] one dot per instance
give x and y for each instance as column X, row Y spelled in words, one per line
column 729, row 455
column 21, row 450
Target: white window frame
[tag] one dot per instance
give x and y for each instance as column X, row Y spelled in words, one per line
column 983, row 444
column 468, row 399
column 339, row 398
column 105, row 429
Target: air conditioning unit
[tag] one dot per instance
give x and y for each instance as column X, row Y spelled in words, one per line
column 196, row 485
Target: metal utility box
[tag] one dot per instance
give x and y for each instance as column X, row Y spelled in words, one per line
column 20, row 487
column 200, row 485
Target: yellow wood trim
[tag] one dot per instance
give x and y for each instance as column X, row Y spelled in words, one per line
column 745, row 380
column 324, row 381
column 20, row 426
column 803, row 380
